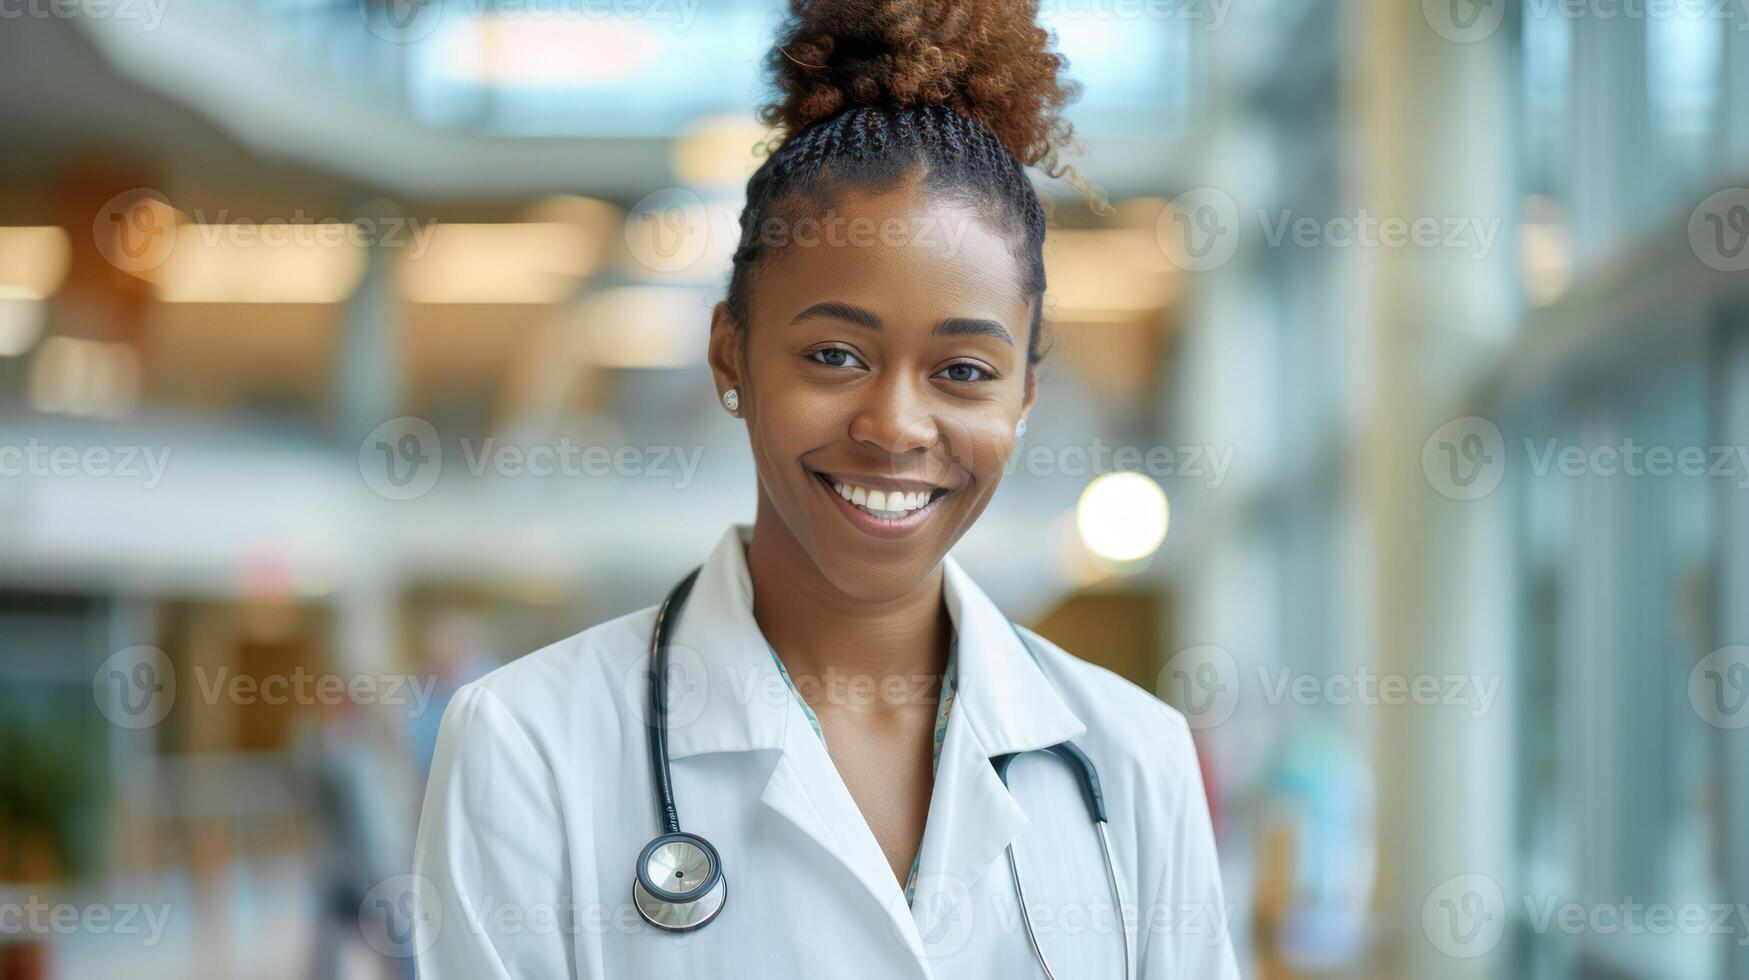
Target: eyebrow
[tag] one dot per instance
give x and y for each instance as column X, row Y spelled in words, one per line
column 953, row 326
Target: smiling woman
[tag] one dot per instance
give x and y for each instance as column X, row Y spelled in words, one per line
column 878, row 339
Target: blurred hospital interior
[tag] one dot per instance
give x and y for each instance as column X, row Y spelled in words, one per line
column 1396, row 432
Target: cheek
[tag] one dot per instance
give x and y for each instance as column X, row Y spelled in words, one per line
column 795, row 419
column 978, row 443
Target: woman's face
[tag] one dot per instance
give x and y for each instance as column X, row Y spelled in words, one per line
column 886, row 358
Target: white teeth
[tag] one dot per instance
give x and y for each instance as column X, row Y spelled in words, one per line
column 882, row 503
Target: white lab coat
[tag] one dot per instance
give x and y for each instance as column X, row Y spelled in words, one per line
column 540, row 800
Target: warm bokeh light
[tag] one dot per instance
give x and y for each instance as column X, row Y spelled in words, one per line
column 34, row 260
column 542, row 50
column 280, row 262
column 1108, row 274
column 718, row 152
column 85, row 378
column 513, row 262
column 22, row 314
column 642, row 327
column 1122, row 516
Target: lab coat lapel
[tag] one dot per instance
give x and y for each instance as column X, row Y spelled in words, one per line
column 733, row 699
column 972, row 818
column 806, row 790
column 1004, row 704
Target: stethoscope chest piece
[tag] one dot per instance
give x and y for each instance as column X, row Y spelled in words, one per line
column 680, row 884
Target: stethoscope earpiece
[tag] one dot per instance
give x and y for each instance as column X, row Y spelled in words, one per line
column 680, row 884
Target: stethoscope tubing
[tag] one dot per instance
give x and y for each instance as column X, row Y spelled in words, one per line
column 666, row 811
column 669, row 815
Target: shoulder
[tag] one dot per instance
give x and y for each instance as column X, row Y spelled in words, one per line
column 569, row 689
column 1149, row 769
column 1127, row 725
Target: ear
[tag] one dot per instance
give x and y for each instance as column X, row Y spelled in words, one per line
column 724, row 352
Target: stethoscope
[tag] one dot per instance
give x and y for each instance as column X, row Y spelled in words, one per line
column 680, row 885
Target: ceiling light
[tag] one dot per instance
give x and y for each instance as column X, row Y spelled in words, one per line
column 267, row 262
column 524, row 262
column 34, row 259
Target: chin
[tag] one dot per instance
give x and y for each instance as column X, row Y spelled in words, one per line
column 871, row 579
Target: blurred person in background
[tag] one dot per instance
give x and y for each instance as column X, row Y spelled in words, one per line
column 349, row 777
column 883, row 386
column 1315, row 867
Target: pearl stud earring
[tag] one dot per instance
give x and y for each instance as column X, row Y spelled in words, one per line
column 732, row 401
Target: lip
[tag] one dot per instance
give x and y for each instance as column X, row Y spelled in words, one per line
column 875, row 526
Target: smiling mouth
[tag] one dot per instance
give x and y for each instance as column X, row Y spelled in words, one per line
column 886, row 505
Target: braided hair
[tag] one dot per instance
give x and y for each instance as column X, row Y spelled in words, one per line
column 964, row 93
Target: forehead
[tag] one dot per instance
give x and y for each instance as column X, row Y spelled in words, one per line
column 910, row 255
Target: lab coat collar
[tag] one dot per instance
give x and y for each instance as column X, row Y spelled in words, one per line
column 1004, row 704
column 1003, row 695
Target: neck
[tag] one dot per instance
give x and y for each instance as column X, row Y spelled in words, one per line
column 820, row 632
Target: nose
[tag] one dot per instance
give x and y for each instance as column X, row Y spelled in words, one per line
column 895, row 417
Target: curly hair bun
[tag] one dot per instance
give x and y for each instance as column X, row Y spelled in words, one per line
column 986, row 59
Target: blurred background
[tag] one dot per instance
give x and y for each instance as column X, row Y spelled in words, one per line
column 1395, row 433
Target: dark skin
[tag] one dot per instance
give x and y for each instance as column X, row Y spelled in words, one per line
column 910, row 400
